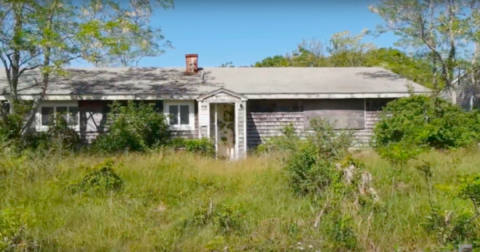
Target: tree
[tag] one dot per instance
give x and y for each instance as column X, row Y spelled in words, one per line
column 416, row 68
column 227, row 64
column 446, row 28
column 143, row 40
column 343, row 50
column 347, row 50
column 44, row 36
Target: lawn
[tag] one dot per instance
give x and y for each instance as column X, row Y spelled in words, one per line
column 182, row 202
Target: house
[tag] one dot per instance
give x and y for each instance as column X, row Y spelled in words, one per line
column 237, row 108
column 465, row 92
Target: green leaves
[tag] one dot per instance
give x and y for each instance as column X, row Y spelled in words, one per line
column 445, row 28
column 414, row 124
column 135, row 127
column 470, row 188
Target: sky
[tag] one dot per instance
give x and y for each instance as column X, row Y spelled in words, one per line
column 246, row 31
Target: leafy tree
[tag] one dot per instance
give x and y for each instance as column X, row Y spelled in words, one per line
column 275, row 61
column 414, row 68
column 143, row 39
column 445, row 28
column 227, row 64
column 347, row 50
column 46, row 35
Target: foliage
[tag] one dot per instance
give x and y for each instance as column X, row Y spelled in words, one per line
column 470, row 189
column 444, row 29
column 15, row 224
column 449, row 227
column 287, row 141
column 101, row 178
column 226, row 219
column 346, row 50
column 134, row 127
column 411, row 125
column 227, row 64
column 202, row 146
column 164, row 190
column 311, row 161
column 41, row 38
column 60, row 136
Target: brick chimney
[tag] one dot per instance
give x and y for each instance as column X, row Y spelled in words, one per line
column 192, row 63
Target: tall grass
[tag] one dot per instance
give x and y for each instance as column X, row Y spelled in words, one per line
column 182, row 202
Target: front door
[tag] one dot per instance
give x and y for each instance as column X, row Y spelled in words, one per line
column 222, row 129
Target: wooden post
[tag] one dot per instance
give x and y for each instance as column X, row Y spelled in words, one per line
column 465, row 248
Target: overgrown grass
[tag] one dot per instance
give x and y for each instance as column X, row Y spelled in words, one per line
column 182, row 202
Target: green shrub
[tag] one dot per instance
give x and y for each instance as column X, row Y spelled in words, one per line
column 135, row 127
column 310, row 161
column 101, row 178
column 411, row 125
column 227, row 219
column 59, row 136
column 14, row 226
column 201, row 146
column 342, row 232
column 308, row 172
column 427, row 121
column 287, row 141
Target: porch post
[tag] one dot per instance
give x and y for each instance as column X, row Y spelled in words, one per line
column 241, row 128
column 203, row 119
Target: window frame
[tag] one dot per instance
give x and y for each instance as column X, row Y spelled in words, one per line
column 55, row 105
column 191, row 114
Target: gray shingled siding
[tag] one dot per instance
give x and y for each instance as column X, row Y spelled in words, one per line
column 264, row 121
column 93, row 120
column 265, row 118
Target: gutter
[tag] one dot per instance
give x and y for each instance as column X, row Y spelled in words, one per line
column 67, row 97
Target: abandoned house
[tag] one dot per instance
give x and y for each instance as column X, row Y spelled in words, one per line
column 237, row 108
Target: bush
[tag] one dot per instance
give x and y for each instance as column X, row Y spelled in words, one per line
column 14, row 227
column 101, row 178
column 199, row 146
column 59, row 136
column 427, row 121
column 288, row 141
column 135, row 127
column 410, row 125
column 311, row 161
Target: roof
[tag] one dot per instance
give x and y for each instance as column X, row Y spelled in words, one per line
column 245, row 81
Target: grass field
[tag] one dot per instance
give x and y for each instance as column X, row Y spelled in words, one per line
column 181, row 202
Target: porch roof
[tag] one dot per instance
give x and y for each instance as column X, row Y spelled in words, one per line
column 173, row 83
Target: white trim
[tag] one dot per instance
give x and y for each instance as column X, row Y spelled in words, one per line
column 55, row 105
column 209, row 122
column 224, row 91
column 236, row 130
column 364, row 113
column 191, row 113
column 216, row 128
column 332, row 95
column 195, row 96
column 245, row 129
column 119, row 97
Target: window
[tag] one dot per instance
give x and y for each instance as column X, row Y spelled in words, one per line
column 180, row 115
column 68, row 112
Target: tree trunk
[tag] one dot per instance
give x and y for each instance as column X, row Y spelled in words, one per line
column 453, row 92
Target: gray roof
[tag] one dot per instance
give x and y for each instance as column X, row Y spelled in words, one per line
column 168, row 81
